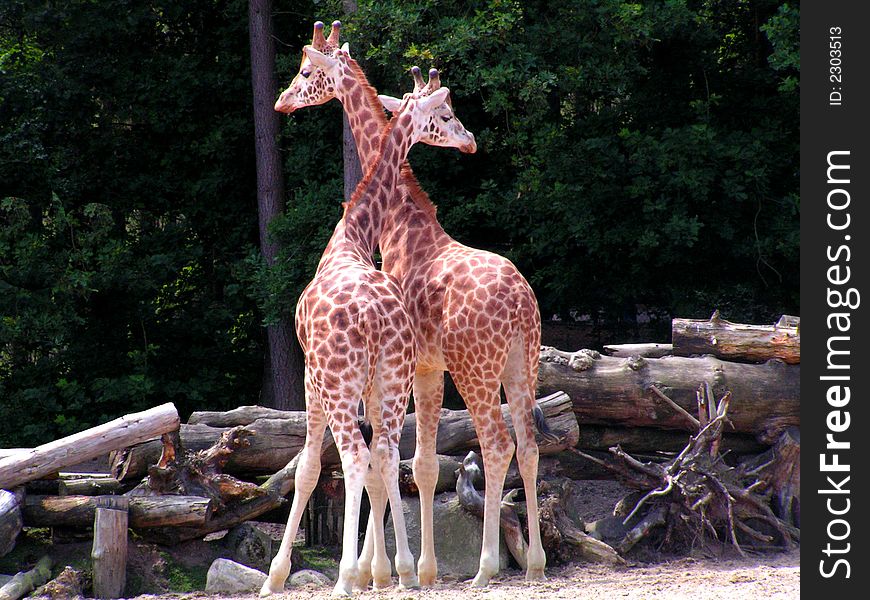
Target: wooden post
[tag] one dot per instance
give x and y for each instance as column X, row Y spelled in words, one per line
column 109, row 552
column 34, row 463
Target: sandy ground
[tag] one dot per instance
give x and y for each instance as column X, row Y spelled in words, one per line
column 753, row 578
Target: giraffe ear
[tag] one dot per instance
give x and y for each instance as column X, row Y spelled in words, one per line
column 435, row 99
column 345, row 48
column 318, row 58
column 390, row 103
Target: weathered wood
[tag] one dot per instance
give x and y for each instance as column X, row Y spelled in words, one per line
column 243, row 415
column 109, row 552
column 26, row 581
column 737, row 341
column 91, row 485
column 779, row 471
column 125, row 431
column 145, row 511
column 615, row 391
column 447, row 473
column 274, row 442
column 10, row 519
column 649, row 350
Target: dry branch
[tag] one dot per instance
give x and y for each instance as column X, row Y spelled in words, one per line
column 696, row 495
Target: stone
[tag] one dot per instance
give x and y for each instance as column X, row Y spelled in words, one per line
column 228, row 577
column 458, row 536
column 255, row 544
column 309, row 576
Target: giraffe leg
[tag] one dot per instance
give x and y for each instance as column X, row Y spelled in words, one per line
column 389, row 471
column 520, row 396
column 497, row 448
column 355, row 458
column 307, row 474
column 428, row 395
column 374, row 561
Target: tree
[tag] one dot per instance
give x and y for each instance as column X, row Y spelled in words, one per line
column 284, row 355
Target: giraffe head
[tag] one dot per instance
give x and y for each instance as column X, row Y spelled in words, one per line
column 319, row 73
column 431, row 113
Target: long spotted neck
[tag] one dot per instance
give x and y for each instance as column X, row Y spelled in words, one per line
column 359, row 232
column 367, row 119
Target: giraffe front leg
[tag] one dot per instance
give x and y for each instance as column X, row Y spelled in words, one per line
column 428, row 396
column 307, row 474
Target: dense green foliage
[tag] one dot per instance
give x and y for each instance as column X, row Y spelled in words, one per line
column 629, row 154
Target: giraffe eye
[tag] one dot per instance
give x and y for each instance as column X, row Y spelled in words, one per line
column 306, row 74
column 445, row 118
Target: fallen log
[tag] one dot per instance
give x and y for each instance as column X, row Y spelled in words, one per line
column 649, row 440
column 243, row 415
column 650, row 350
column 95, row 484
column 737, row 341
column 145, row 511
column 26, row 581
column 621, row 392
column 274, row 442
column 10, row 519
column 34, row 463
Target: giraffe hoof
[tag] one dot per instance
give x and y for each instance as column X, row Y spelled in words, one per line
column 382, row 583
column 480, row 580
column 427, row 580
column 535, row 575
column 409, row 583
column 267, row 590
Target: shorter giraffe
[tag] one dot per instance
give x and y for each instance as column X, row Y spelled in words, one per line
column 358, row 340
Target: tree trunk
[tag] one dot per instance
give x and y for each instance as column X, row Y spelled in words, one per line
column 352, row 168
column 145, row 511
column 615, row 391
column 736, row 341
column 274, row 442
column 130, row 429
column 10, row 519
column 285, row 358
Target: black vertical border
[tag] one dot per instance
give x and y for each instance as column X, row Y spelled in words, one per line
column 826, row 128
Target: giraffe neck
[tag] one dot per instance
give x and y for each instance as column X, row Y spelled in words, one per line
column 358, row 233
column 404, row 206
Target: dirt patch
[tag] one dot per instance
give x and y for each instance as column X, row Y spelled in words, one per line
column 767, row 577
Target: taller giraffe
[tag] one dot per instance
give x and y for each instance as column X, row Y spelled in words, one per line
column 358, row 340
column 474, row 315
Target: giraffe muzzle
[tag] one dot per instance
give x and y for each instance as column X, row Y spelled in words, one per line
column 471, row 147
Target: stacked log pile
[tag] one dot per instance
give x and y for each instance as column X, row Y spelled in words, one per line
column 641, row 417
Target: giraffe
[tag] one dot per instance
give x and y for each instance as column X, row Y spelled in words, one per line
column 474, row 315
column 359, row 344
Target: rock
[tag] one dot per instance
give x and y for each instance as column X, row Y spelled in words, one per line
column 458, row 536
column 306, row 576
column 255, row 544
column 228, row 577
column 608, row 529
column 66, row 585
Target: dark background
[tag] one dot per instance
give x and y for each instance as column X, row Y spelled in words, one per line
column 634, row 159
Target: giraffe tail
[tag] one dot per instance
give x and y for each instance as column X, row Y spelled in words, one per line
column 543, row 427
column 370, row 325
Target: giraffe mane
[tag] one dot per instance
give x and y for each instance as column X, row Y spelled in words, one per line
column 407, row 177
column 363, row 185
